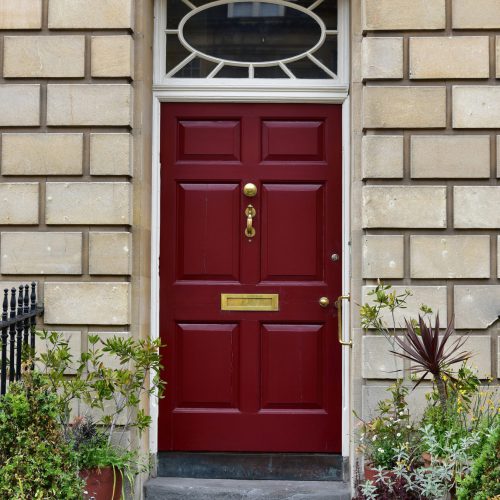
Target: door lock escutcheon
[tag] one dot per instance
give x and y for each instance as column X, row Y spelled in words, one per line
column 250, row 213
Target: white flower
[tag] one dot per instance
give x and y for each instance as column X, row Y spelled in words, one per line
column 374, row 437
column 398, row 434
column 408, row 426
column 401, row 412
column 381, row 450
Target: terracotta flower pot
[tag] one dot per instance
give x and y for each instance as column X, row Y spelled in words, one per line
column 427, row 458
column 371, row 473
column 102, row 484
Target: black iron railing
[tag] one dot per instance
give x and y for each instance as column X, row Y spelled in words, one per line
column 18, row 331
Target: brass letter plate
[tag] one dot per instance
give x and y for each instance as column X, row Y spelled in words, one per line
column 249, row 302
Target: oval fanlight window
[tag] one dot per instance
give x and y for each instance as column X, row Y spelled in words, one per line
column 251, row 32
column 252, row 39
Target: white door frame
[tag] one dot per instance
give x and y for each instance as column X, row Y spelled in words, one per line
column 189, row 91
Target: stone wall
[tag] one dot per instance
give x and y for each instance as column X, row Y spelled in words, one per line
column 426, row 92
column 75, row 160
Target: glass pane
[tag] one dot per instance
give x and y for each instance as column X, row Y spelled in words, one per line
column 232, row 72
column 266, row 32
column 327, row 10
column 327, row 53
column 269, row 72
column 304, row 68
column 197, row 68
column 176, row 10
column 176, row 53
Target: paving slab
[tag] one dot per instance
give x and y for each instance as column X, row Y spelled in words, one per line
column 174, row 488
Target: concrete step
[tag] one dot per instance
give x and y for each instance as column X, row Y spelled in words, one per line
column 175, row 488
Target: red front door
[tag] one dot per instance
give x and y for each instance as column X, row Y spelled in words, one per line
column 250, row 380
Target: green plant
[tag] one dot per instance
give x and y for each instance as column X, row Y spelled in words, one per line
column 109, row 380
column 469, row 408
column 36, row 462
column 388, row 430
column 429, row 353
column 483, row 481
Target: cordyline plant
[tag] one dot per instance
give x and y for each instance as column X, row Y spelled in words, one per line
column 431, row 353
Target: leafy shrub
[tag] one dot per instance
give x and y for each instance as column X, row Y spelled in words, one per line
column 36, row 462
column 483, row 482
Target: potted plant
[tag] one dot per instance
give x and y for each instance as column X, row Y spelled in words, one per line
column 109, row 381
column 389, row 429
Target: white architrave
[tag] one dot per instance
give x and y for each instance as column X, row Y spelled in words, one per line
column 258, row 91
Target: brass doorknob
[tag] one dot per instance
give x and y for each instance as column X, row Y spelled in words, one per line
column 324, row 302
column 250, row 190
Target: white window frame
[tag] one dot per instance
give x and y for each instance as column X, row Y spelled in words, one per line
column 252, row 89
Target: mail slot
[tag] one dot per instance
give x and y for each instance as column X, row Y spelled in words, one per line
column 249, row 302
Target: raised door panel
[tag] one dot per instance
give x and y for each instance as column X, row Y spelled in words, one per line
column 292, row 367
column 208, row 228
column 207, row 366
column 293, row 141
column 209, row 140
column 292, row 232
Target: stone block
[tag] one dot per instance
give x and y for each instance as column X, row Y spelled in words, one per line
column 480, row 347
column 20, row 14
column 19, row 203
column 498, row 156
column 382, row 156
column 102, row 303
column 111, row 360
column 450, row 156
column 404, row 107
column 476, row 207
column 450, row 256
column 19, row 105
column 449, row 57
column 417, row 403
column 476, row 14
column 41, row 253
column 44, row 56
column 404, row 14
column 112, row 56
column 382, row 58
column 377, row 361
column 74, row 340
column 110, row 154
column 476, row 106
column 383, row 256
column 404, row 206
column 88, row 203
column 497, row 44
column 94, row 104
column 498, row 265
column 88, row 14
column 476, row 306
column 110, row 253
column 434, row 297
column 42, row 154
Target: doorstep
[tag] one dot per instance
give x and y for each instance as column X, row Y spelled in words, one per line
column 176, row 488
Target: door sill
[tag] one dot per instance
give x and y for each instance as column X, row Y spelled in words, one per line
column 269, row 466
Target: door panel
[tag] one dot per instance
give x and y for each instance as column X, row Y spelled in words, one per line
column 209, row 140
column 292, row 366
column 208, row 231
column 293, row 141
column 292, row 219
column 207, row 381
column 263, row 380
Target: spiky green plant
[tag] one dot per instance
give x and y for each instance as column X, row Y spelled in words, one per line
column 431, row 353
